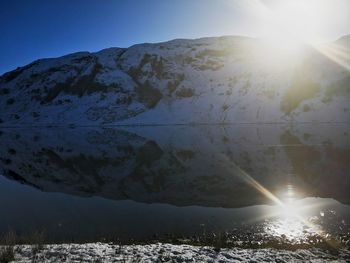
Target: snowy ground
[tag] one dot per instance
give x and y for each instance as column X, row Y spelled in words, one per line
column 99, row 252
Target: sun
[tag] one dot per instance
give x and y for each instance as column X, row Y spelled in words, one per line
column 295, row 22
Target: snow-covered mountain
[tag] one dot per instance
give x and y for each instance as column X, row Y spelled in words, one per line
column 209, row 80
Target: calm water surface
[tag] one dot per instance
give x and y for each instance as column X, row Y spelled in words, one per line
column 251, row 182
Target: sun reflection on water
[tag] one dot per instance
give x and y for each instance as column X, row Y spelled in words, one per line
column 289, row 220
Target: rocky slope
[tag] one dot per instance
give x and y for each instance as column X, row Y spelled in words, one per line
column 209, row 80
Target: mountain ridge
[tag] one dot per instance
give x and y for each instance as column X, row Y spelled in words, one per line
column 208, row 80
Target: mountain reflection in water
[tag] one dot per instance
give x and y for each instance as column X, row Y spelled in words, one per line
column 199, row 179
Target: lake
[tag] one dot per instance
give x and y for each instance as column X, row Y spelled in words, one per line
column 249, row 182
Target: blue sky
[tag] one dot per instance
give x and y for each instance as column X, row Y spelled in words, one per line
column 32, row 29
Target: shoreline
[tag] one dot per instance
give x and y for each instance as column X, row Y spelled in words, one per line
column 165, row 252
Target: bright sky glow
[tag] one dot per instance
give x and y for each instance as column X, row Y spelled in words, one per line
column 298, row 20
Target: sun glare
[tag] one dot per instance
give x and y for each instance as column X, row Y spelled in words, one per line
column 292, row 23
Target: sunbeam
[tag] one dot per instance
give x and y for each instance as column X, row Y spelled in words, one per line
column 335, row 52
